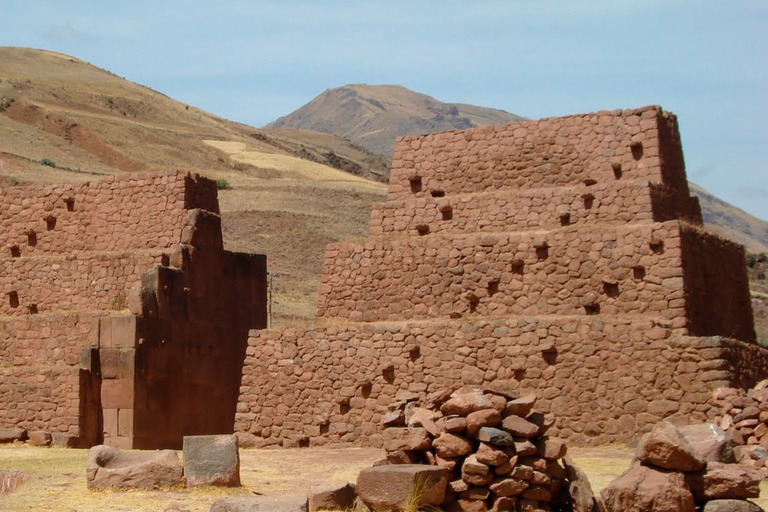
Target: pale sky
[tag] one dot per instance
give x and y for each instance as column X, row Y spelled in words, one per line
column 253, row 61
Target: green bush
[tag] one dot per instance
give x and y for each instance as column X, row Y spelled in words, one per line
column 5, row 103
column 48, row 162
column 223, row 184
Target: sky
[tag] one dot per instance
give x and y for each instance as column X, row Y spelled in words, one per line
column 254, row 61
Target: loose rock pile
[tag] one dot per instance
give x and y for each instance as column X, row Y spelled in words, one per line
column 673, row 474
column 745, row 418
column 494, row 450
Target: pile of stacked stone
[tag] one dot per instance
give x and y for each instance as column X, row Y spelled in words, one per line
column 745, row 418
column 493, row 446
column 684, row 470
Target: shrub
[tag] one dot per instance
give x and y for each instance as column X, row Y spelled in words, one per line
column 222, row 184
column 751, row 261
column 48, row 162
column 761, row 276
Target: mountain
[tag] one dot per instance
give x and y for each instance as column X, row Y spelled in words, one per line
column 372, row 116
column 287, row 193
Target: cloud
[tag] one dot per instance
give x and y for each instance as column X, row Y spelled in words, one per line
column 64, row 33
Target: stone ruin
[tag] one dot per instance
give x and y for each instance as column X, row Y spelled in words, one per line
column 563, row 257
column 123, row 320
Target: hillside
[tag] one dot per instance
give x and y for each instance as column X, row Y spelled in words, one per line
column 292, row 192
column 372, row 116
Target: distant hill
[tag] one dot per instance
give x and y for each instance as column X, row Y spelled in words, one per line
column 372, row 116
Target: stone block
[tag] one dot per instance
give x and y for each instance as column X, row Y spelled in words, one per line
column 211, row 460
column 389, row 487
column 110, row 467
column 39, row 438
column 332, row 497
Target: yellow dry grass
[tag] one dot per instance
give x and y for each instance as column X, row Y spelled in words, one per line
column 292, row 166
column 58, row 478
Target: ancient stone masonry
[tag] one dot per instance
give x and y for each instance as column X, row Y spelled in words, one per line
column 563, row 256
column 122, row 318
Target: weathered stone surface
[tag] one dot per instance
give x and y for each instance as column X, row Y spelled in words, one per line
column 724, row 481
column 274, row 503
column 402, row 457
column 643, row 489
column 393, row 419
column 495, row 436
column 332, row 497
column 11, row 434
column 211, row 460
column 579, row 488
column 487, row 454
column 731, row 506
column 502, row 387
column 520, row 406
column 449, row 446
column 466, row 403
column 709, row 441
column 406, row 438
column 551, row 448
column 106, row 466
column 483, row 418
column 455, row 425
column 388, row 487
column 62, row 440
column 665, row 447
column 39, row 438
column 519, row 427
column 508, row 486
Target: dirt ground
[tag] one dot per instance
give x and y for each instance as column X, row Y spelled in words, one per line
column 57, row 478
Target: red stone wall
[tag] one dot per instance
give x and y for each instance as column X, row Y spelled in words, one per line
column 604, row 378
column 122, row 318
column 561, row 151
column 617, row 269
column 560, row 254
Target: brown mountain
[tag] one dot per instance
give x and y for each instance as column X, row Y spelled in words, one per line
column 372, row 116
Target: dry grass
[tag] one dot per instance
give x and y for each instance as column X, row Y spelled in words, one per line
column 58, row 478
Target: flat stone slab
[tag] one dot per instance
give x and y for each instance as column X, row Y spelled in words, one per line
column 11, row 434
column 211, row 460
column 274, row 503
column 388, row 487
column 332, row 497
column 106, row 466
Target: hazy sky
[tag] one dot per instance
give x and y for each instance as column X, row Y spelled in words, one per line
column 253, row 61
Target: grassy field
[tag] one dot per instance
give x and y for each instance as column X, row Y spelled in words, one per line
column 57, row 478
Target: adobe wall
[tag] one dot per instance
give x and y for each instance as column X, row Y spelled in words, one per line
column 126, row 283
column 604, row 379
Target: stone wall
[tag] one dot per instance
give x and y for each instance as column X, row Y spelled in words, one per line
column 564, row 256
column 122, row 319
column 604, row 379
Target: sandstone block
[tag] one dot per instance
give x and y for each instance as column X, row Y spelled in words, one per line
column 450, row 445
column 487, row 454
column 388, row 487
column 551, row 448
column 709, row 441
column 466, row 403
column 333, row 497
column 579, row 488
column 109, row 467
column 274, row 503
column 406, row 438
column 642, row 489
column 39, row 438
column 520, row 406
column 211, row 460
column 63, row 440
column 731, row 506
column 519, row 427
column 665, row 447
column 508, row 486
column 724, row 481
column 484, row 418
column 11, row 434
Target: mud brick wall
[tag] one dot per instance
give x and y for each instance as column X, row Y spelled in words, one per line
column 564, row 151
column 747, row 362
column 546, row 208
column 109, row 215
column 716, row 286
column 605, row 380
column 629, row 269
